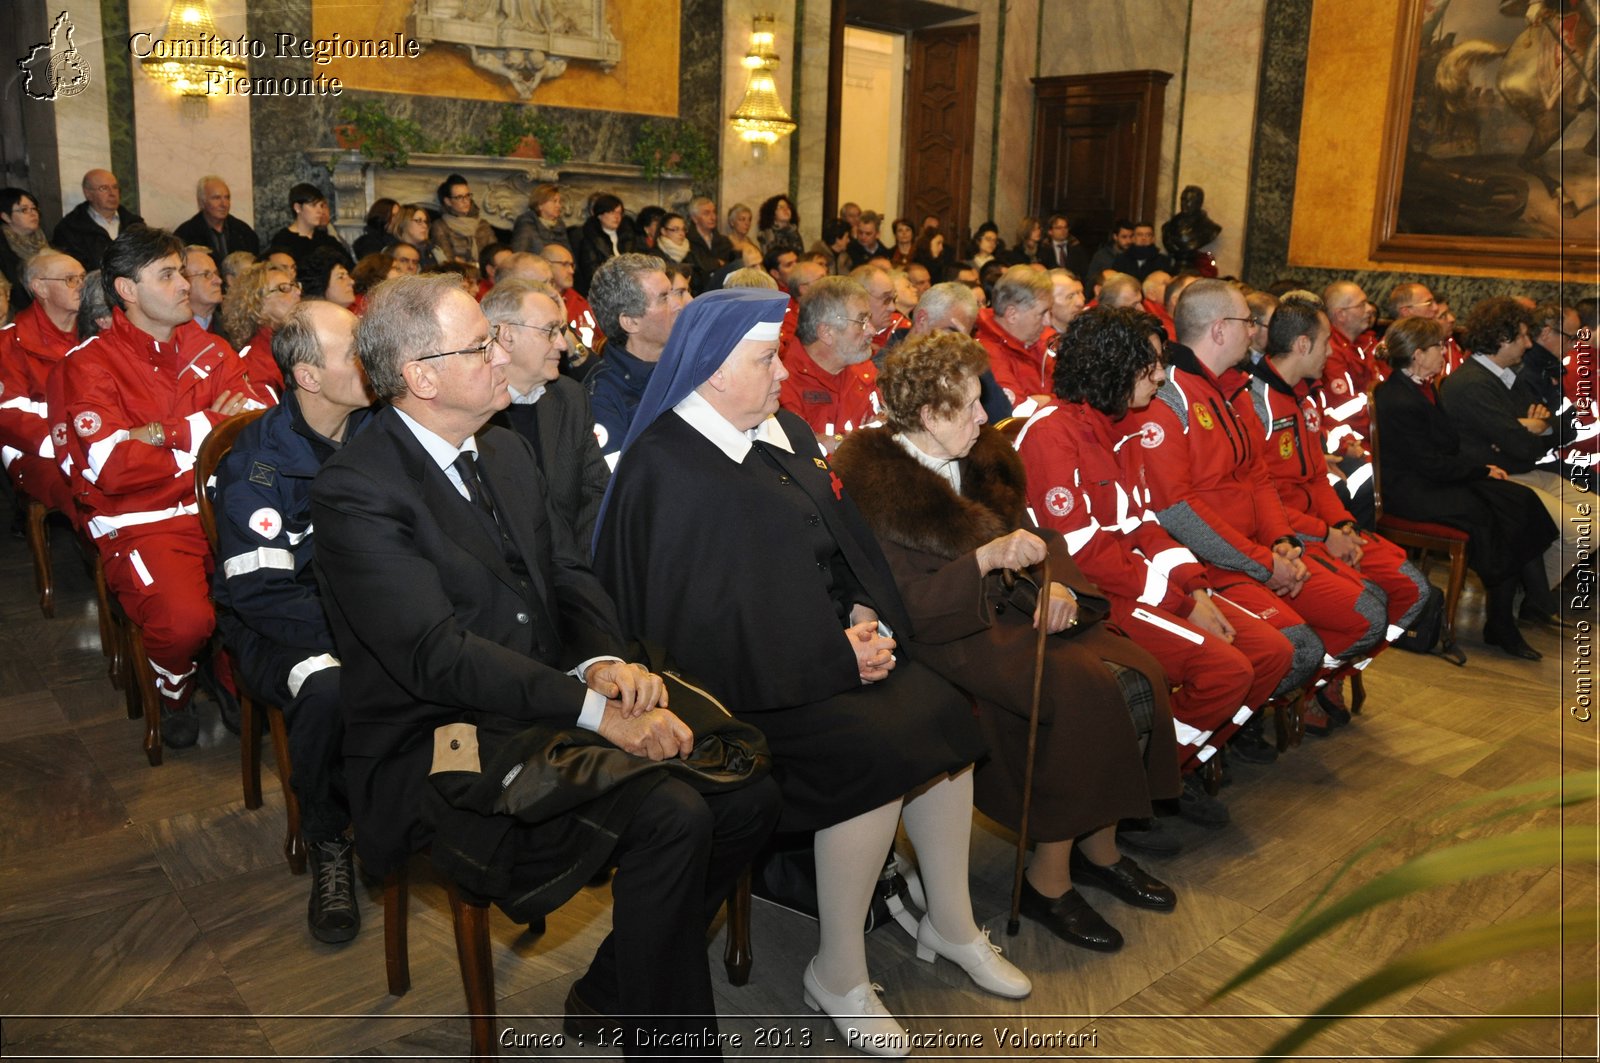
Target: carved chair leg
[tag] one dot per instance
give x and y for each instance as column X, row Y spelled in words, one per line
column 397, row 961
column 39, row 543
column 477, row 971
column 737, row 956
column 294, row 843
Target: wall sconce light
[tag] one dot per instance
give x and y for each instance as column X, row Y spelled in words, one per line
column 760, row 117
column 188, row 55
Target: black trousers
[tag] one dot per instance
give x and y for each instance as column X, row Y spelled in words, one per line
column 676, row 863
column 315, row 720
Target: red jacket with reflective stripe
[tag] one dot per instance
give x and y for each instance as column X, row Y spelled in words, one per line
column 1290, row 424
column 29, row 348
column 831, row 403
column 1020, row 369
column 1350, row 373
column 123, row 379
column 1088, row 483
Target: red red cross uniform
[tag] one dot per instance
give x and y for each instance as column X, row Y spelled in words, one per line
column 30, row 348
column 1020, row 369
column 1350, row 373
column 580, row 317
column 833, row 404
column 1211, row 491
column 1298, row 471
column 1088, row 483
column 139, row 499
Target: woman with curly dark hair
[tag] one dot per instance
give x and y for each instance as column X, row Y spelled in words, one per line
column 947, row 499
column 324, row 276
column 1428, row 476
column 778, row 226
column 1084, row 456
column 932, row 252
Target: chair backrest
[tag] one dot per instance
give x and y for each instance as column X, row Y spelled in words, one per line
column 1372, row 448
column 1010, row 427
column 213, row 449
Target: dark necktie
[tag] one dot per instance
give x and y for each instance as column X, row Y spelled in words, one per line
column 466, row 466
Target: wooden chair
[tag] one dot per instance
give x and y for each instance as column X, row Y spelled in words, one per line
column 213, row 449
column 1424, row 537
column 471, row 922
column 39, row 544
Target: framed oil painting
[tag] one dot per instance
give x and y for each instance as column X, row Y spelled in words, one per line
column 1489, row 151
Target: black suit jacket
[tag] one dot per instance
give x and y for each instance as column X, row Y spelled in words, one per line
column 1485, row 412
column 433, row 625
column 81, row 236
column 575, row 471
column 235, row 236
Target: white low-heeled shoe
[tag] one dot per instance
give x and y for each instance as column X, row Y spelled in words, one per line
column 860, row 1016
column 980, row 958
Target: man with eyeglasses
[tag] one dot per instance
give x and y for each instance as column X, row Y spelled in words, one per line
column 551, row 411
column 31, row 347
column 1014, row 330
column 472, row 636
column 87, row 230
column 214, row 227
column 1545, row 366
column 269, row 610
column 1350, row 373
column 632, row 299
column 205, row 287
column 407, row 259
column 138, row 400
column 879, row 285
column 832, row 383
column 459, row 230
column 580, row 315
column 1211, row 492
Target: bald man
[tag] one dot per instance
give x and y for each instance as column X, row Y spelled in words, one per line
column 88, row 229
column 30, row 347
column 215, row 226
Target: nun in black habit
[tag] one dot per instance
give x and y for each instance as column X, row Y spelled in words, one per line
column 726, row 537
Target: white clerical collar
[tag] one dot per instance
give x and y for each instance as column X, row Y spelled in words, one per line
column 703, row 418
column 440, row 449
column 1507, row 377
column 947, row 469
column 519, row 399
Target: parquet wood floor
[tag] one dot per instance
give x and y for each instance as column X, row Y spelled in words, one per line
column 144, row 913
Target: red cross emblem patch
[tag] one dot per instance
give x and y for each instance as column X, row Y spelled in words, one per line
column 1058, row 500
column 266, row 522
column 87, row 423
column 1151, row 435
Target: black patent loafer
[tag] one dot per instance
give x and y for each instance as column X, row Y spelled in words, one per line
column 1126, row 881
column 1070, row 918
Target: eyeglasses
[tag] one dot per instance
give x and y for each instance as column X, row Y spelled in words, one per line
column 460, row 195
column 199, row 274
column 550, row 331
column 24, row 208
column 564, row 263
column 1425, row 302
column 284, row 289
column 481, row 350
column 865, row 321
column 1248, row 321
column 74, row 281
column 103, row 188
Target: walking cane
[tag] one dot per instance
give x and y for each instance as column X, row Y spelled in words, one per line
column 1015, row 923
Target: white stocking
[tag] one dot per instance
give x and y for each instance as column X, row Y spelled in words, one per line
column 939, row 822
column 850, row 857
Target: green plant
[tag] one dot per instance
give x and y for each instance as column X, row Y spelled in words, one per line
column 513, row 123
column 664, row 147
column 1460, row 862
column 383, row 137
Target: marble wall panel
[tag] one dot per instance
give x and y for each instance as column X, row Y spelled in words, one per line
column 180, row 140
column 812, row 110
column 1276, row 172
column 1009, row 144
column 82, row 129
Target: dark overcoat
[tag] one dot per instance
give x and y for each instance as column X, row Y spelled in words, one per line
column 1089, row 771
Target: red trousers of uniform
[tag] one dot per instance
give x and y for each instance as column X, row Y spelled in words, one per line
column 161, row 575
column 1219, row 683
column 41, row 479
column 1402, row 583
column 1330, row 602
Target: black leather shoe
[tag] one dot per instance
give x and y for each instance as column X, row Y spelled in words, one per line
column 582, row 1020
column 1511, row 641
column 1148, row 836
column 332, row 914
column 1126, row 881
column 1338, row 715
column 1070, row 918
column 1250, row 745
column 1197, row 806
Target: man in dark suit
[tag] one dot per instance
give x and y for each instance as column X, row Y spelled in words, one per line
column 215, row 226
column 86, row 230
column 709, row 250
column 454, row 598
column 550, row 410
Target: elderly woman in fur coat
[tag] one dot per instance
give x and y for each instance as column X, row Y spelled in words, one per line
column 946, row 499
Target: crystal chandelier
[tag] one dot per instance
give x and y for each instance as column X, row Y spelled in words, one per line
column 760, row 117
column 191, row 50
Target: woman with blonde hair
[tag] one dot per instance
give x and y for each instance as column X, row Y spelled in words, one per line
column 257, row 302
column 740, row 220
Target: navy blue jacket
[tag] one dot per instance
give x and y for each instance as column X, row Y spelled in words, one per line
column 615, row 387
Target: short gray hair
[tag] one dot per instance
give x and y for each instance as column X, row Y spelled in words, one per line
column 1202, row 304
column 827, row 302
column 941, row 299
column 1021, row 286
column 200, row 186
column 504, row 301
column 35, row 266
column 750, row 277
column 616, row 290
column 295, row 342
column 401, row 325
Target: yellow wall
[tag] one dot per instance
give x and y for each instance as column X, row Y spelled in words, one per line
column 644, row 82
column 1336, row 183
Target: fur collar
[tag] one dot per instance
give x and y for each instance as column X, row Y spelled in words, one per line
column 911, row 506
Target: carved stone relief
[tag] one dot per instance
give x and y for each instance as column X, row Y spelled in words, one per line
column 523, row 42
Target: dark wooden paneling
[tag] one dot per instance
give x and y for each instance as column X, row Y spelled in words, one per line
column 941, row 95
column 1097, row 148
